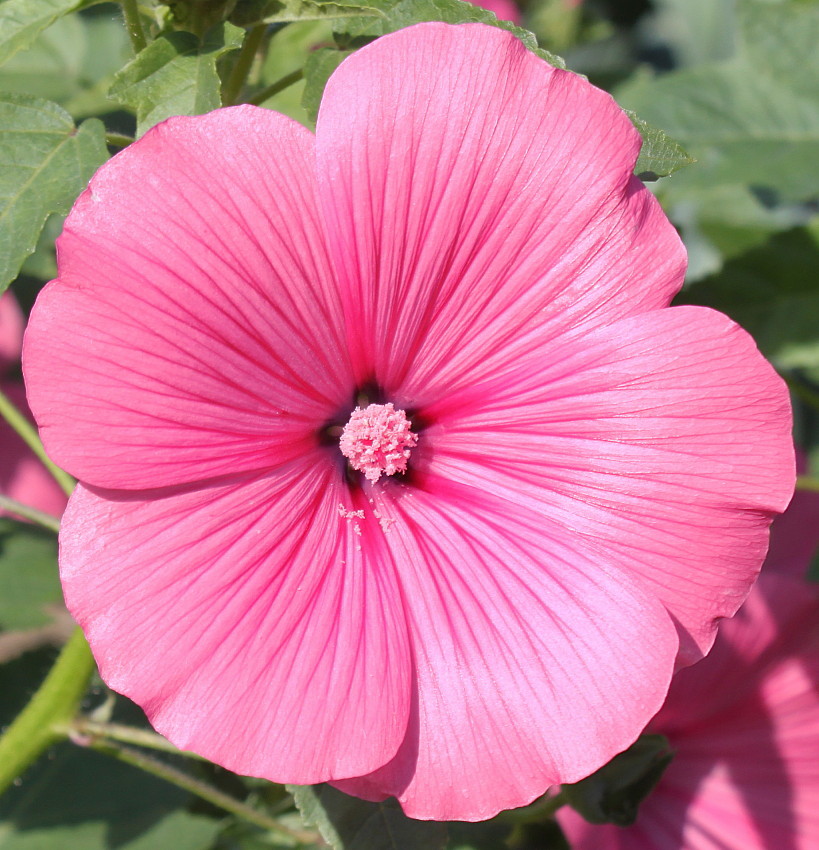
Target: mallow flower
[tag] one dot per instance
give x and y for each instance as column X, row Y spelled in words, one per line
column 743, row 723
column 396, row 468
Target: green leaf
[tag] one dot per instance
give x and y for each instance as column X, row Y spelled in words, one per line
column 773, row 292
column 284, row 11
column 81, row 799
column 753, row 119
column 659, row 155
column 21, row 21
column 45, row 162
column 320, row 65
column 28, row 575
column 247, row 12
column 175, row 75
column 347, row 823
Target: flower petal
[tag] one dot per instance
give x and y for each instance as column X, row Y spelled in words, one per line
column 247, row 621
column 494, row 203
column 193, row 323
column 662, row 441
column 524, row 651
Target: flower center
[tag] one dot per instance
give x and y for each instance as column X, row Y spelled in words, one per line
column 377, row 440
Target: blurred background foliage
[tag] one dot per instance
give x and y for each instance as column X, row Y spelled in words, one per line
column 735, row 82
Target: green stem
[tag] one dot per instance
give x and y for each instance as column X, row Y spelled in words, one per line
column 40, row 723
column 807, row 482
column 127, row 734
column 196, row 786
column 133, row 23
column 244, row 62
column 274, row 88
column 27, row 512
column 28, row 434
column 118, row 140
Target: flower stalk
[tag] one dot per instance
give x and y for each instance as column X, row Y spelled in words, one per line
column 32, row 514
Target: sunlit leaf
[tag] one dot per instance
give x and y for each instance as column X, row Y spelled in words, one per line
column 659, row 155
column 175, row 75
column 45, row 162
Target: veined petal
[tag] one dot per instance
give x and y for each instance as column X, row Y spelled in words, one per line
column 246, row 619
column 493, row 207
column 195, row 326
column 662, row 441
column 524, row 652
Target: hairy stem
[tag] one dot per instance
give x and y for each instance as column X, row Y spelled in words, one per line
column 40, row 723
column 133, row 23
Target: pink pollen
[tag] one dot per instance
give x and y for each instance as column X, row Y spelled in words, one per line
column 377, row 440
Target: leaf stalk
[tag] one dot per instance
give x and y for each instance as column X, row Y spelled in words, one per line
column 274, row 88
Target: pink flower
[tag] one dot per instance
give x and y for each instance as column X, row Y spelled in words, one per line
column 744, row 725
column 22, row 476
column 593, row 478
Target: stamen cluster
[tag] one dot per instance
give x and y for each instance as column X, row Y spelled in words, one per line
column 377, row 440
